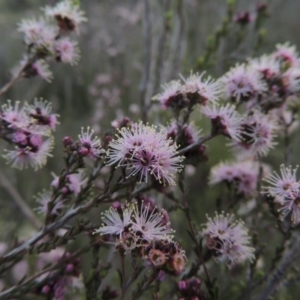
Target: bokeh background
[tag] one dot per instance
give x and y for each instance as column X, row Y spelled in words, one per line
column 105, row 85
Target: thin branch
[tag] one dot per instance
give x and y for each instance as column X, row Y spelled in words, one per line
column 16, row 197
column 147, row 63
column 276, row 277
column 196, row 145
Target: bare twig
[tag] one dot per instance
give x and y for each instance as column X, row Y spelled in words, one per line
column 147, row 63
column 16, row 197
column 276, row 277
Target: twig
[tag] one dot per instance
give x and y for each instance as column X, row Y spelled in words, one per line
column 195, row 145
column 20, row 201
column 275, row 278
column 147, row 63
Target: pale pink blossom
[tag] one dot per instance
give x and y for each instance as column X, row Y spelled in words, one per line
column 287, row 55
column 66, row 51
column 225, row 120
column 242, row 83
column 67, row 14
column 145, row 152
column 228, row 239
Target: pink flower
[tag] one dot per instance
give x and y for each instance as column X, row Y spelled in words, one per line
column 35, row 154
column 38, row 34
column 257, row 135
column 287, row 55
column 243, row 175
column 267, row 65
column 15, row 116
column 41, row 113
column 171, row 95
column 76, row 182
column 89, row 143
column 228, row 240
column 242, row 83
column 207, row 89
column 291, row 81
column 68, row 15
column 282, row 185
column 149, row 225
column 67, row 51
column 225, row 119
column 291, row 204
column 145, row 152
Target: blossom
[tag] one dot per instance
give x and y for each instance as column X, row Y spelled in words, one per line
column 37, row 68
column 145, row 152
column 171, row 95
column 227, row 239
column 90, row 144
column 225, row 119
column 41, row 112
column 114, row 222
column 291, row 81
column 282, row 185
column 39, row 34
column 207, row 89
column 267, row 65
column 287, row 55
column 149, row 224
column 76, row 182
column 242, row 83
column 35, row 154
column 257, row 135
column 15, row 116
column 68, row 15
column 66, row 51
column 189, row 134
column 291, row 204
column 244, row 174
column 47, row 204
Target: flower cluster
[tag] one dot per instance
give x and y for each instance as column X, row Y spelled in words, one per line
column 29, row 129
column 143, row 228
column 285, row 189
column 192, row 90
column 227, row 240
column 145, row 152
column 46, row 39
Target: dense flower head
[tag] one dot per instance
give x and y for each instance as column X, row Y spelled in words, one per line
column 287, row 55
column 282, row 185
column 38, row 34
column 90, row 145
column 145, row 152
column 34, row 153
column 227, row 239
column 225, row 120
column 67, row 14
column 184, row 135
column 135, row 225
column 242, row 83
column 291, row 81
column 28, row 128
column 243, row 174
column 257, row 135
column 66, row 51
column 38, row 67
column 285, row 189
column 207, row 89
column 267, row 66
column 41, row 113
column 192, row 90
